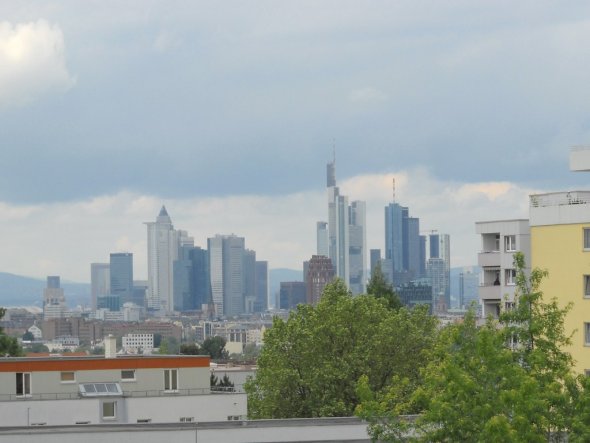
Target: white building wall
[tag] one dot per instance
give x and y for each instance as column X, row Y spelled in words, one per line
column 164, row 409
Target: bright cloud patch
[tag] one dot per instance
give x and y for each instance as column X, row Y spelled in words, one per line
column 32, row 62
column 281, row 229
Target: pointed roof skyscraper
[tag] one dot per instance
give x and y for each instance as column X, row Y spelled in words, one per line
column 163, row 216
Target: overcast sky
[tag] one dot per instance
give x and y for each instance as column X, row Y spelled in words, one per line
column 227, row 113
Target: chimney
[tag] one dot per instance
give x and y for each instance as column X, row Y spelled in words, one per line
column 110, row 346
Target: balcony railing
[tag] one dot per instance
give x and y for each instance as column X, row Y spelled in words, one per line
column 559, row 199
column 76, row 395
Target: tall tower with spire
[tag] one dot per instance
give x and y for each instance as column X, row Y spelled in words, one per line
column 162, row 252
column 338, row 222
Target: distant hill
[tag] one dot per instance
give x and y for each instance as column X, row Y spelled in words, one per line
column 16, row 290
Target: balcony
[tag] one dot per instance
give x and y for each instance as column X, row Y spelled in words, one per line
column 488, row 258
column 490, row 292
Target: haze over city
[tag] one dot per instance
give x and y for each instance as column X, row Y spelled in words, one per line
column 229, row 115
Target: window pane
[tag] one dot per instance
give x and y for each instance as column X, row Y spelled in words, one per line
column 587, row 333
column 128, row 374
column 19, row 383
column 89, row 388
column 108, row 409
column 112, row 387
column 174, row 379
column 67, row 376
column 587, row 285
column 586, row 238
column 27, row 383
column 100, row 387
column 166, row 380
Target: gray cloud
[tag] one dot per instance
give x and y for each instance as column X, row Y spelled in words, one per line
column 246, row 99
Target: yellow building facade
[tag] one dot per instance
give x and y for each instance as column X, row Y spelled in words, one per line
column 560, row 243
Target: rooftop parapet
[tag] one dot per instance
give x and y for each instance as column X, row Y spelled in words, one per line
column 559, row 208
column 559, row 199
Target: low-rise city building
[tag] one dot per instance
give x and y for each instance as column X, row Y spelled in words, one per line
column 112, row 390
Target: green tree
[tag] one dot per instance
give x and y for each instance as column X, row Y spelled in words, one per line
column 507, row 381
column 8, row 345
column 379, row 287
column 310, row 364
column 97, row 350
column 190, row 349
column 215, row 348
column 28, row 336
column 169, row 345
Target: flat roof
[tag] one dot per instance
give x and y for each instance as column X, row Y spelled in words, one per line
column 90, row 363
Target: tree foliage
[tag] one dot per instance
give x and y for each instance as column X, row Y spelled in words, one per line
column 215, row 348
column 191, row 349
column 310, row 364
column 379, row 287
column 169, row 345
column 8, row 345
column 506, row 381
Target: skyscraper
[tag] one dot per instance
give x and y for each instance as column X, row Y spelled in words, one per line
column 338, row 236
column 249, row 273
column 357, row 246
column 320, row 272
column 343, row 239
column 100, row 281
column 54, row 301
column 322, row 239
column 440, row 248
column 226, row 263
column 162, row 252
column 402, row 244
column 261, row 304
column 121, row 276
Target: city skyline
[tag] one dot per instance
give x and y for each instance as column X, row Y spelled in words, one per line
column 294, row 239
column 227, row 116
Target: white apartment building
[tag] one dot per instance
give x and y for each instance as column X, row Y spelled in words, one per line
column 499, row 241
column 133, row 343
column 57, row 391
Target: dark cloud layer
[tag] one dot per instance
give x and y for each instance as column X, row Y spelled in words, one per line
column 187, row 99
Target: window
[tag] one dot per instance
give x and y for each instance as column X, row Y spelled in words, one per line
column 587, row 286
column 587, row 238
column 587, row 334
column 170, row 379
column 510, row 277
column 510, row 243
column 187, row 419
column 587, row 372
column 100, row 389
column 109, row 410
column 497, row 242
column 67, row 377
column 23, row 384
column 128, row 375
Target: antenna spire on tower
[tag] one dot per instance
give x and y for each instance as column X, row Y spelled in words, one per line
column 393, row 188
column 334, row 150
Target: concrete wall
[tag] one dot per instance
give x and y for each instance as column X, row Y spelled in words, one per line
column 165, row 409
column 347, row 429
